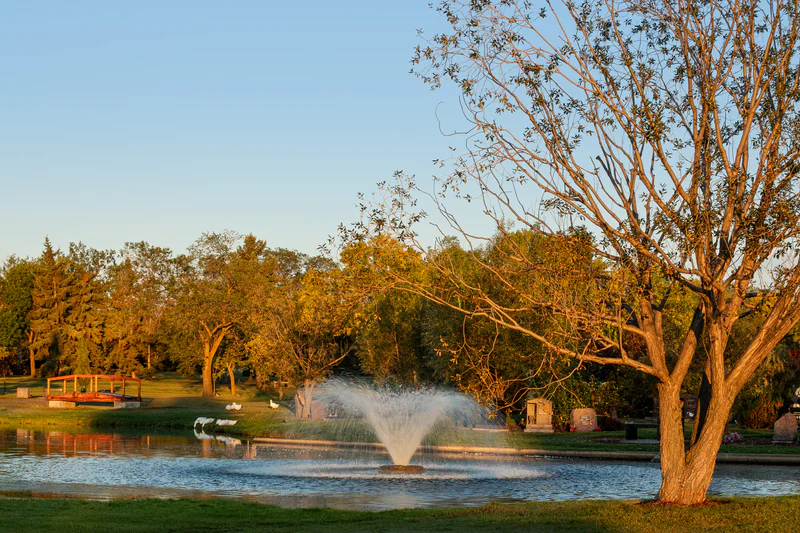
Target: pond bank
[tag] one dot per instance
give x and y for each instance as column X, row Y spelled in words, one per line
column 730, row 458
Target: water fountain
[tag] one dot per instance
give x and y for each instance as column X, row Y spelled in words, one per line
column 400, row 418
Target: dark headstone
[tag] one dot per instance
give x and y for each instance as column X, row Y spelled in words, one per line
column 689, row 406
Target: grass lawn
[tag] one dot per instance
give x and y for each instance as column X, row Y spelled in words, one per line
column 174, row 403
column 761, row 515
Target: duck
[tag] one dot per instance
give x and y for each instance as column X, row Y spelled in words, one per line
column 234, row 407
column 273, row 405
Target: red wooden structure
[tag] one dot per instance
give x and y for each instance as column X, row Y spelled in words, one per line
column 93, row 394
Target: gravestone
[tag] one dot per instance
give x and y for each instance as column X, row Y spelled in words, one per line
column 795, row 408
column 583, row 420
column 23, row 392
column 689, row 406
column 785, row 429
column 319, row 410
column 539, row 417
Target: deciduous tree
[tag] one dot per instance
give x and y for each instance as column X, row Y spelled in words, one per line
column 214, row 294
column 302, row 329
column 670, row 130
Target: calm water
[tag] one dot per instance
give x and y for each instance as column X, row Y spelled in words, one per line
column 104, row 466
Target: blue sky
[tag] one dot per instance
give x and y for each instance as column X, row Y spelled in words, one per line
column 157, row 121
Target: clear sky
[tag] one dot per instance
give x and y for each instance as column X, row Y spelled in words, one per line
column 160, row 120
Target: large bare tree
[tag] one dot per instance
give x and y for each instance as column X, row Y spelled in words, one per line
column 669, row 130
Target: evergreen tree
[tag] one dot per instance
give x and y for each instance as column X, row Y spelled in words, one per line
column 50, row 293
column 16, row 286
column 87, row 304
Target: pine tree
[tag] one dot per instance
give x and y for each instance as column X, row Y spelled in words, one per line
column 16, row 286
column 49, row 308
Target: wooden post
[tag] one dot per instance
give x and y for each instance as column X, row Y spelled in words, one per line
column 139, row 395
column 123, row 388
column 75, row 385
column 48, row 388
column 112, row 386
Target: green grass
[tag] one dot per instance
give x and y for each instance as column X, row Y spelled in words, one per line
column 762, row 515
column 174, row 403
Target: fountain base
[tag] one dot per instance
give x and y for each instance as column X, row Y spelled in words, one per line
column 401, row 469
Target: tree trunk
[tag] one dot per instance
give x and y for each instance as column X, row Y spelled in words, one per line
column 687, row 475
column 231, row 367
column 32, row 353
column 148, row 356
column 208, row 371
column 303, row 399
column 210, row 347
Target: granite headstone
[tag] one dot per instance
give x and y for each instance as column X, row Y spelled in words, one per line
column 539, row 416
column 785, row 429
column 583, row 420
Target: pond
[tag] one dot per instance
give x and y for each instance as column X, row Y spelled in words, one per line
column 107, row 466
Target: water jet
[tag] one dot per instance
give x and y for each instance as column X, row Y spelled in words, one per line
column 401, row 418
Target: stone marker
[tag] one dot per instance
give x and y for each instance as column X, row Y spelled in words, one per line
column 540, row 416
column 319, row 410
column 23, row 392
column 785, row 429
column 689, row 406
column 61, row 404
column 583, row 420
column 127, row 405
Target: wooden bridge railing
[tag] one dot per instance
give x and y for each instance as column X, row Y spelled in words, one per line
column 94, row 380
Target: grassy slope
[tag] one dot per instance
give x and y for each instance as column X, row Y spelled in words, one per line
column 175, row 403
column 753, row 515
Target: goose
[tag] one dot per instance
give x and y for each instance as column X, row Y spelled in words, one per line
column 202, row 436
column 234, row 407
column 273, row 405
column 203, row 420
column 222, row 422
column 230, row 441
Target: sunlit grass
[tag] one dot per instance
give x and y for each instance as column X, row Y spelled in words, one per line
column 763, row 515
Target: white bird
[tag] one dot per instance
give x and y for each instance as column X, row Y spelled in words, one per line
column 222, row 422
column 202, row 436
column 229, row 440
column 273, row 405
column 234, row 407
column 203, row 420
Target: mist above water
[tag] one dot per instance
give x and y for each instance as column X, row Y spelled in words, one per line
column 401, row 418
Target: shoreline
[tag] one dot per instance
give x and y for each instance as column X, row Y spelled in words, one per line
column 729, row 458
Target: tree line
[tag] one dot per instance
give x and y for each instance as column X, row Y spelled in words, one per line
column 231, row 304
